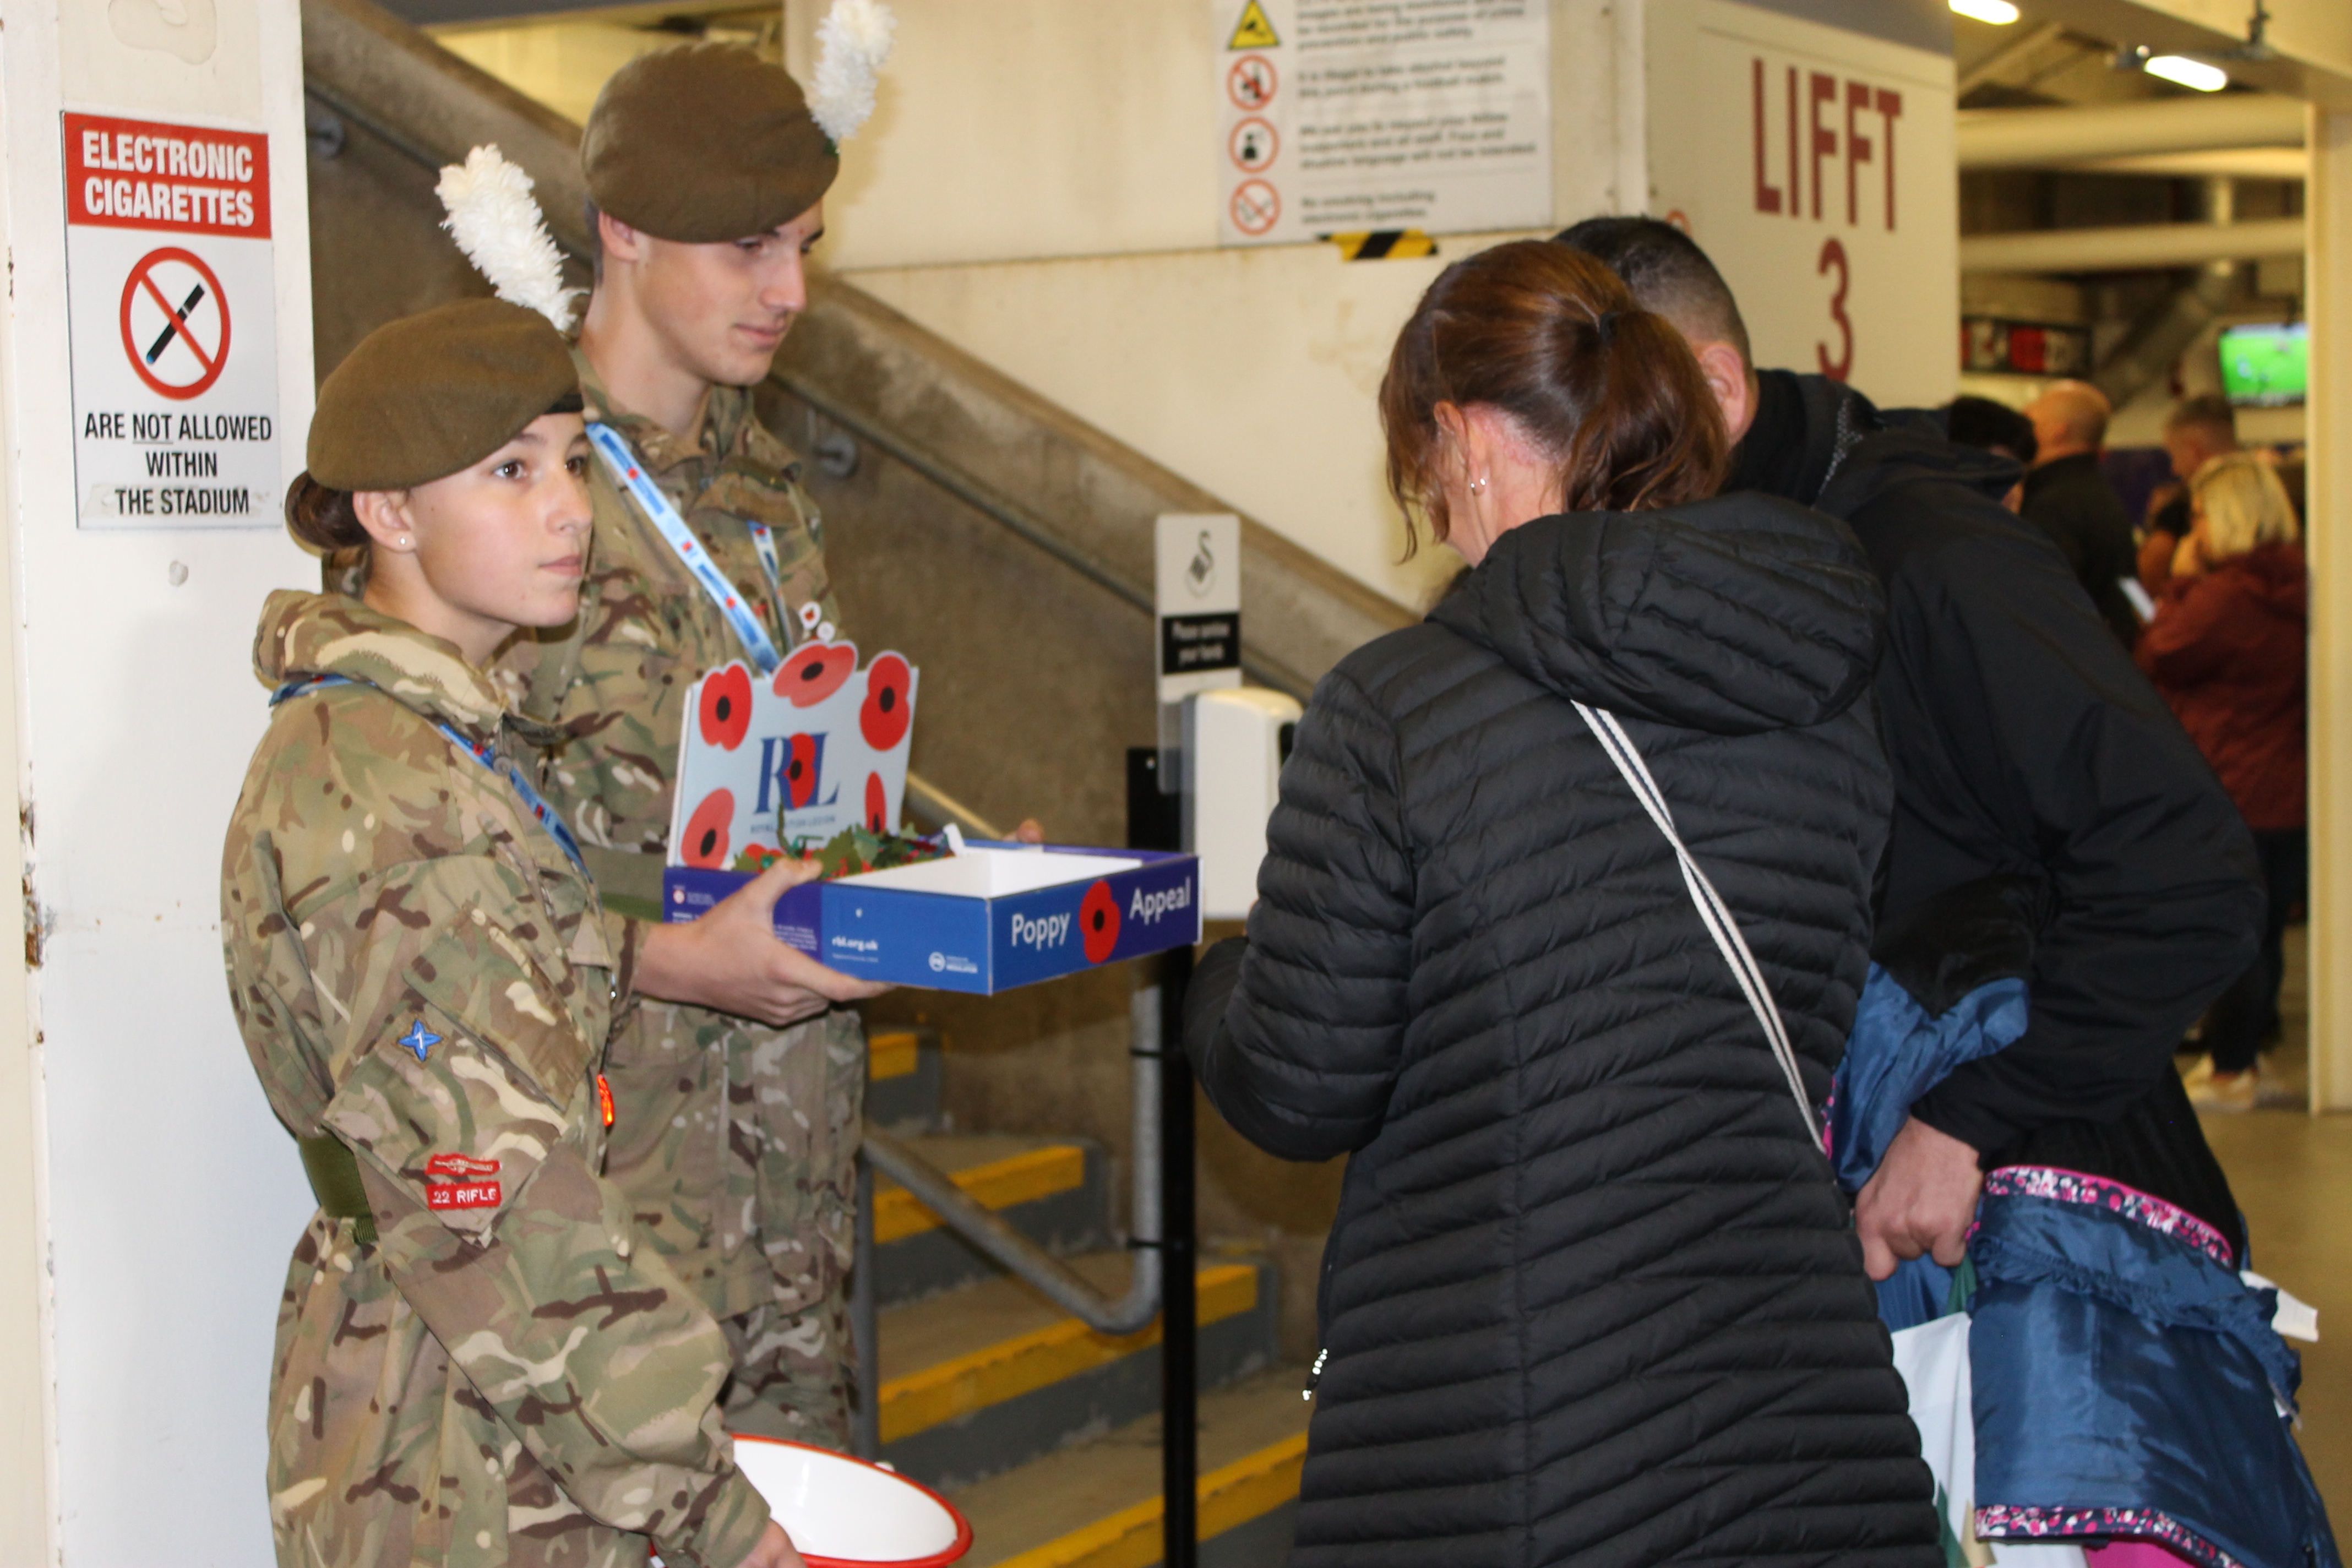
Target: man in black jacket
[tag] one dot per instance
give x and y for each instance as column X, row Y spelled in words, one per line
column 2068, row 497
column 2023, row 742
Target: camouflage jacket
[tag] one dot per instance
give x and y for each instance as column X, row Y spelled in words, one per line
column 504, row 1376
column 615, row 680
column 740, row 1179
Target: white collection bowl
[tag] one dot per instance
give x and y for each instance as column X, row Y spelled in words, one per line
column 845, row 1513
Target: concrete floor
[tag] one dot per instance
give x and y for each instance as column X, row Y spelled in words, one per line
column 2292, row 1175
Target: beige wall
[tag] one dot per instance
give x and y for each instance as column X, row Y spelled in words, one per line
column 2330, row 413
column 1039, row 186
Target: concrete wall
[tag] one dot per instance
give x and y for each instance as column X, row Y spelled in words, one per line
column 144, row 1187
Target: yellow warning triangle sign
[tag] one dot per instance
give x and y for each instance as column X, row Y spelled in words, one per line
column 1254, row 32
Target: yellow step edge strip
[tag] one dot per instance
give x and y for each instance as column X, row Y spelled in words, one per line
column 1248, row 1488
column 1017, row 1179
column 1013, row 1367
column 892, row 1054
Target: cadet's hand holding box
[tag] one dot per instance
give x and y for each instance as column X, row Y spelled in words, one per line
column 774, row 768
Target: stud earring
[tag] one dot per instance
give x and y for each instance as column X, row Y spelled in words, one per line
column 1476, row 486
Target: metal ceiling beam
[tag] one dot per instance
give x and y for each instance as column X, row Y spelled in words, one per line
column 2036, row 137
column 2309, row 53
column 2125, row 249
column 2229, row 163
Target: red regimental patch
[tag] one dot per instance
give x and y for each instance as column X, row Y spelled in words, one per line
column 463, row 1165
column 462, row 1195
column 605, row 1100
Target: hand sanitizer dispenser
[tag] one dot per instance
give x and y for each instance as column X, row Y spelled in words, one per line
column 1235, row 744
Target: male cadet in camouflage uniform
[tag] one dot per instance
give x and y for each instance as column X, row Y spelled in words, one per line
column 737, row 1129
column 476, row 1363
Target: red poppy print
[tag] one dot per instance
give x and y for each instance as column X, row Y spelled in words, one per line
column 800, row 772
column 1098, row 921
column 815, row 672
column 727, row 707
column 877, row 805
column 884, row 717
column 706, row 830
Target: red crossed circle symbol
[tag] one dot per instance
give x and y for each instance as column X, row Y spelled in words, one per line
column 196, row 322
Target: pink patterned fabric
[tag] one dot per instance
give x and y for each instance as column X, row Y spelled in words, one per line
column 2099, row 1192
column 2133, row 1554
column 2176, row 1541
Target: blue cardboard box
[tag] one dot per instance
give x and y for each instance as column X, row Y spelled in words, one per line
column 991, row 918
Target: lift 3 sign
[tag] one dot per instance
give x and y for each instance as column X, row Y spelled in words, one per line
column 171, row 305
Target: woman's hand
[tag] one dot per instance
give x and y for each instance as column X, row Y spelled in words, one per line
column 775, row 1549
column 1922, row 1199
column 732, row 961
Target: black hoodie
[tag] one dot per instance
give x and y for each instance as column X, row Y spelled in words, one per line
column 1591, row 1296
column 2025, row 743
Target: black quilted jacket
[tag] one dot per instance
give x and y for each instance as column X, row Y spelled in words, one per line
column 1590, row 1297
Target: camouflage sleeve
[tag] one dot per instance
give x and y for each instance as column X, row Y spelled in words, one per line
column 467, row 1094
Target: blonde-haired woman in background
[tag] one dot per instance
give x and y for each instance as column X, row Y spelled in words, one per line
column 2226, row 648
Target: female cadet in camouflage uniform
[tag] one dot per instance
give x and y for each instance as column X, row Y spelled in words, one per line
column 476, row 1363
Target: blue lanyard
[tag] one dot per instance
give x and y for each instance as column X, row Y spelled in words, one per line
column 630, row 475
column 484, row 753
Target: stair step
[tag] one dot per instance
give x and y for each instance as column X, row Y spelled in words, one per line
column 994, row 1375
column 903, row 1079
column 1097, row 1506
column 1049, row 1190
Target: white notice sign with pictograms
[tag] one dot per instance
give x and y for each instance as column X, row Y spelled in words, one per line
column 171, row 303
column 1345, row 116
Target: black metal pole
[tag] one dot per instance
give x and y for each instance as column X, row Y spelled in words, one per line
column 1180, row 1458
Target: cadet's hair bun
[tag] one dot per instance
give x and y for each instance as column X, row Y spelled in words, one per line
column 322, row 518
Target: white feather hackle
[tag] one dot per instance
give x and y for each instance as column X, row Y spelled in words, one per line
column 502, row 232
column 853, row 41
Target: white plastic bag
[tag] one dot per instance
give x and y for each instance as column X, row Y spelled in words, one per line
column 1934, row 1360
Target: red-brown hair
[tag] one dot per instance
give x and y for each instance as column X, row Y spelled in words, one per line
column 1550, row 337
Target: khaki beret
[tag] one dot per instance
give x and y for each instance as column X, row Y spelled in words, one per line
column 430, row 395
column 704, row 143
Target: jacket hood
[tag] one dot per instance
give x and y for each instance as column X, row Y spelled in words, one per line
column 1734, row 615
column 1821, row 443
column 303, row 636
column 2275, row 575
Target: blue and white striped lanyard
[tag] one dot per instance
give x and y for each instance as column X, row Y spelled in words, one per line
column 484, row 753
column 630, row 475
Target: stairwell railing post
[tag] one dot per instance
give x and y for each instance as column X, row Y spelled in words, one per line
column 1180, row 1457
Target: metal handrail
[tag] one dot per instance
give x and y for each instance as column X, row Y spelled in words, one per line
column 936, row 1190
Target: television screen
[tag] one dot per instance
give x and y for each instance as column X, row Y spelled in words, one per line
column 2263, row 366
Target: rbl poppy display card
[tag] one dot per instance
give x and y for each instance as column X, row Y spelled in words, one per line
column 818, row 747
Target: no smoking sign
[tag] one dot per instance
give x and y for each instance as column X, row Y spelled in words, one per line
column 171, row 293
column 177, row 349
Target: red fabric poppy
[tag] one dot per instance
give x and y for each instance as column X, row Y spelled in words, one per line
column 706, row 830
column 884, row 718
column 815, row 672
column 800, row 772
column 1098, row 921
column 727, row 707
column 877, row 805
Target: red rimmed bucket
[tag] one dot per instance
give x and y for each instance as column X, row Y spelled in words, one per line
column 845, row 1513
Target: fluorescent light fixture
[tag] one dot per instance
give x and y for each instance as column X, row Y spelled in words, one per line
column 1999, row 13
column 2189, row 72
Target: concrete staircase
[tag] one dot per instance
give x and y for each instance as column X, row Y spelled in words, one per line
column 1043, row 1432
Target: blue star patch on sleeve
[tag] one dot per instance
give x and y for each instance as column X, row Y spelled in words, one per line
column 419, row 1038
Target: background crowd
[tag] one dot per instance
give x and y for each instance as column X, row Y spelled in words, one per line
column 2209, row 591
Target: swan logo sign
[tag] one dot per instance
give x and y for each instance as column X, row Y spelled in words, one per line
column 171, row 305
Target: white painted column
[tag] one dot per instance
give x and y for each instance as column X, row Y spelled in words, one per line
column 147, row 1200
column 2327, row 271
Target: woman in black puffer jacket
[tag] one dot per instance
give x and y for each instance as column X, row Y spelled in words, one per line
column 1591, row 1297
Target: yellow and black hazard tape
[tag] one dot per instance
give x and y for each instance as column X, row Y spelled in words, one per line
column 1382, row 245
